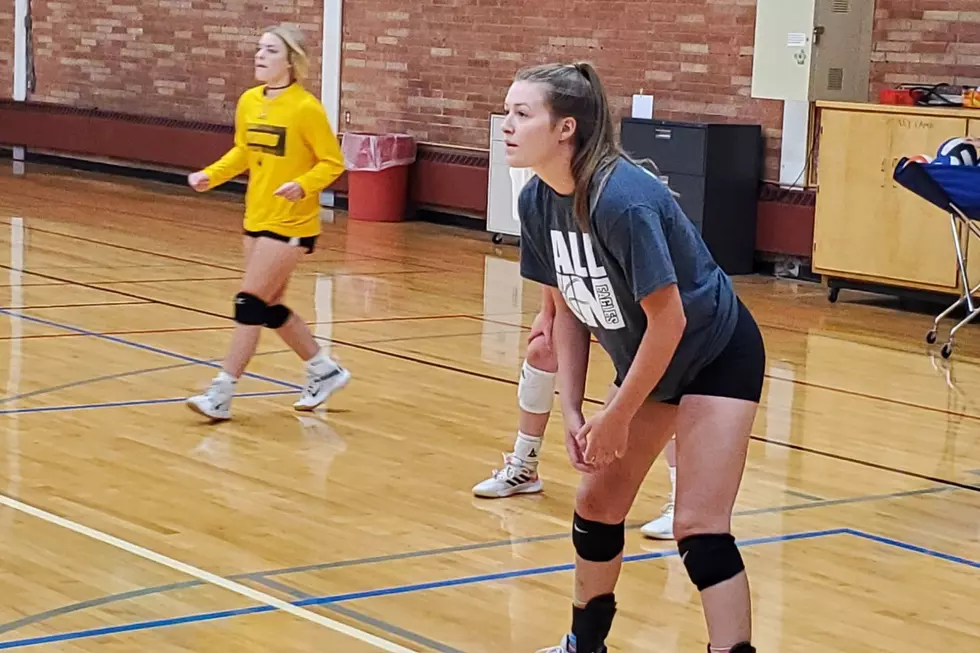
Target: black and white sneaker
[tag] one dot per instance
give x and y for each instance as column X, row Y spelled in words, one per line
column 514, row 478
column 319, row 386
column 216, row 402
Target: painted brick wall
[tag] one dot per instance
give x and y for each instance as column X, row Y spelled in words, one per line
column 926, row 41
column 6, row 49
column 436, row 68
column 159, row 57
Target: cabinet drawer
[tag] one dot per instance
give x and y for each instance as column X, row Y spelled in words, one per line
column 674, row 148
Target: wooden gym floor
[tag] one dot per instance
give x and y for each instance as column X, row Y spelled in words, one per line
column 128, row 524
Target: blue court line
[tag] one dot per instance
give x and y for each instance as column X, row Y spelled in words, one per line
column 392, row 557
column 113, row 377
column 354, row 596
column 468, row 580
column 132, row 402
column 913, row 547
column 384, row 626
column 95, row 379
column 137, row 345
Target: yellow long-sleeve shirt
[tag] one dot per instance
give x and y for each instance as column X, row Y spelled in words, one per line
column 278, row 140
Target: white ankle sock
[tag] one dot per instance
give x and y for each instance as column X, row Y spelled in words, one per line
column 527, row 448
column 673, row 482
column 224, row 377
column 321, row 363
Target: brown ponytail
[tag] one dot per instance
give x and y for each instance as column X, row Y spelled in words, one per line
column 575, row 91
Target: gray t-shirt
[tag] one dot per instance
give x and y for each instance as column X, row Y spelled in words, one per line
column 639, row 240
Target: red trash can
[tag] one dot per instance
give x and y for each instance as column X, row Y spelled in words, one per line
column 377, row 175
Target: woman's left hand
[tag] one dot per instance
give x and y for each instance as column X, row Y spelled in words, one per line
column 291, row 191
column 603, row 438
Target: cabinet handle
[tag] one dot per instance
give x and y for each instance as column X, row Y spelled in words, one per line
column 662, row 134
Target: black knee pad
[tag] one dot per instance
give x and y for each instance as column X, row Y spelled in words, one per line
column 276, row 316
column 710, row 559
column 249, row 309
column 597, row 542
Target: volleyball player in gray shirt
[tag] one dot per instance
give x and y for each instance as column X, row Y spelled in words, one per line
column 626, row 265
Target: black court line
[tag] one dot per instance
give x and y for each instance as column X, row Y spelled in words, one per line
column 757, row 438
column 127, row 248
column 490, row 377
column 369, row 257
column 113, row 291
column 80, row 305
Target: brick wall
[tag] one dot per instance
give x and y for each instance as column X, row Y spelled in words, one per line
column 6, row 49
column 927, row 42
column 159, row 57
column 411, row 67
column 417, row 67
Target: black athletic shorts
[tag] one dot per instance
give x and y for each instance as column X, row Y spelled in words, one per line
column 737, row 372
column 308, row 242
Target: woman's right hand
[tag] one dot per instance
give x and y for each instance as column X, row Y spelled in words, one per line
column 198, row 181
column 574, row 421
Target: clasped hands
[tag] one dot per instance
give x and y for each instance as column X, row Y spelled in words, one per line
column 598, row 442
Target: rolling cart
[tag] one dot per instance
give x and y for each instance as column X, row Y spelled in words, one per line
column 955, row 189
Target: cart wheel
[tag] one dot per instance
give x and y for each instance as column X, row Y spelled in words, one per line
column 832, row 295
column 497, row 239
column 947, row 350
column 931, row 337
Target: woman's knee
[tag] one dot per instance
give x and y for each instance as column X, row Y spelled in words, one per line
column 603, row 501
column 688, row 522
column 541, row 356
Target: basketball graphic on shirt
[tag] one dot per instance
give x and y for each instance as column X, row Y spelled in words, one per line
column 584, row 283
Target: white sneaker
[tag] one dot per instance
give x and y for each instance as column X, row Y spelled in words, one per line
column 514, row 478
column 216, row 402
column 566, row 647
column 561, row 648
column 320, row 386
column 661, row 528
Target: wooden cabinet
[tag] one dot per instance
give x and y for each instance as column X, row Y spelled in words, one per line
column 869, row 231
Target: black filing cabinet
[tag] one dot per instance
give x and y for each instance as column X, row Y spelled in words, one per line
column 717, row 169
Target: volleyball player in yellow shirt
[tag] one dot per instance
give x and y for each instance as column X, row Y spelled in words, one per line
column 283, row 138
